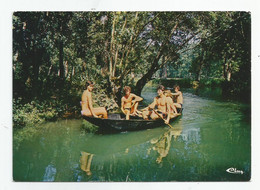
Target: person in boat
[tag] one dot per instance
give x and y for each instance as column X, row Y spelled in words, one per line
column 173, row 110
column 178, row 96
column 87, row 106
column 162, row 104
column 129, row 103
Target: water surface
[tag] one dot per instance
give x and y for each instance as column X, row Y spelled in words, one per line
column 211, row 137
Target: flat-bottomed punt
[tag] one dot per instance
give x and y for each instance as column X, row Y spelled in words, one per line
column 116, row 122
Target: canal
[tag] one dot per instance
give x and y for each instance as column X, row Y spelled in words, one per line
column 211, row 141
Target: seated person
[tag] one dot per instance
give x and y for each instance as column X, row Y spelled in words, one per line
column 86, row 103
column 129, row 103
column 169, row 99
column 163, row 107
column 179, row 97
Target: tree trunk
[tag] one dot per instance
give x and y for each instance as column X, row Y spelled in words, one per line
column 225, row 68
column 201, row 62
column 165, row 71
column 35, row 63
column 61, row 59
column 148, row 76
column 141, row 83
column 228, row 71
column 198, row 76
column 19, row 86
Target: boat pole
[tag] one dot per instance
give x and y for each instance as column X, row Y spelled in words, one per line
column 162, row 118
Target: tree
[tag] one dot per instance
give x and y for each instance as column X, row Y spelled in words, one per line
column 30, row 50
column 227, row 42
column 123, row 43
column 115, row 49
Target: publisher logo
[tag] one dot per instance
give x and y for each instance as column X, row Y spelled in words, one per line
column 234, row 171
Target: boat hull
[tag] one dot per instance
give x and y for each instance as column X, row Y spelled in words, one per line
column 116, row 123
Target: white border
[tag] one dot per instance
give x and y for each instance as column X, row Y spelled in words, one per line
column 8, row 7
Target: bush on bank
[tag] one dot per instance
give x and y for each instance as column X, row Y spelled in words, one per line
column 27, row 117
column 30, row 114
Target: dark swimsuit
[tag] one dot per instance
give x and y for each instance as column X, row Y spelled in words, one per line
column 179, row 110
column 163, row 114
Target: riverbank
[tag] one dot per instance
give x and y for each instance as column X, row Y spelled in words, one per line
column 28, row 116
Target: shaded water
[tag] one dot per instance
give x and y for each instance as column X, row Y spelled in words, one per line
column 211, row 137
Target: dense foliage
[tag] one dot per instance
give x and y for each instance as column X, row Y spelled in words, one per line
column 54, row 53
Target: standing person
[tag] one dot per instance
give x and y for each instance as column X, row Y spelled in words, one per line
column 163, row 107
column 130, row 102
column 179, row 97
column 87, row 106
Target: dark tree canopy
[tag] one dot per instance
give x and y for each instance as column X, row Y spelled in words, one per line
column 56, row 52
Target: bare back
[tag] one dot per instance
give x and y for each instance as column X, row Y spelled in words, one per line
column 179, row 97
column 86, row 96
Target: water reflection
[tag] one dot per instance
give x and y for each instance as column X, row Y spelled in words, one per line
column 163, row 143
column 160, row 146
column 191, row 135
column 50, row 172
column 85, row 162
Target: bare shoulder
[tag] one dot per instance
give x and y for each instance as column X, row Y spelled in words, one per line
column 156, row 98
column 88, row 94
column 168, row 98
column 84, row 92
column 177, row 93
column 132, row 95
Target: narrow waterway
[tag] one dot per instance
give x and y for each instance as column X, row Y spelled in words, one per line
column 211, row 137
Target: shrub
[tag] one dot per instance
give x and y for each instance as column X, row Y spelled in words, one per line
column 32, row 113
column 89, row 127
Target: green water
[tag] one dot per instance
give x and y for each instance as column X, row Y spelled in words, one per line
column 211, row 137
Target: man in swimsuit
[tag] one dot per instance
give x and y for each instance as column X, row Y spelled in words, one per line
column 163, row 107
column 130, row 102
column 169, row 99
column 86, row 103
column 179, row 97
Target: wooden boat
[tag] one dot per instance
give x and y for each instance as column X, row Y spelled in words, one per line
column 117, row 122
